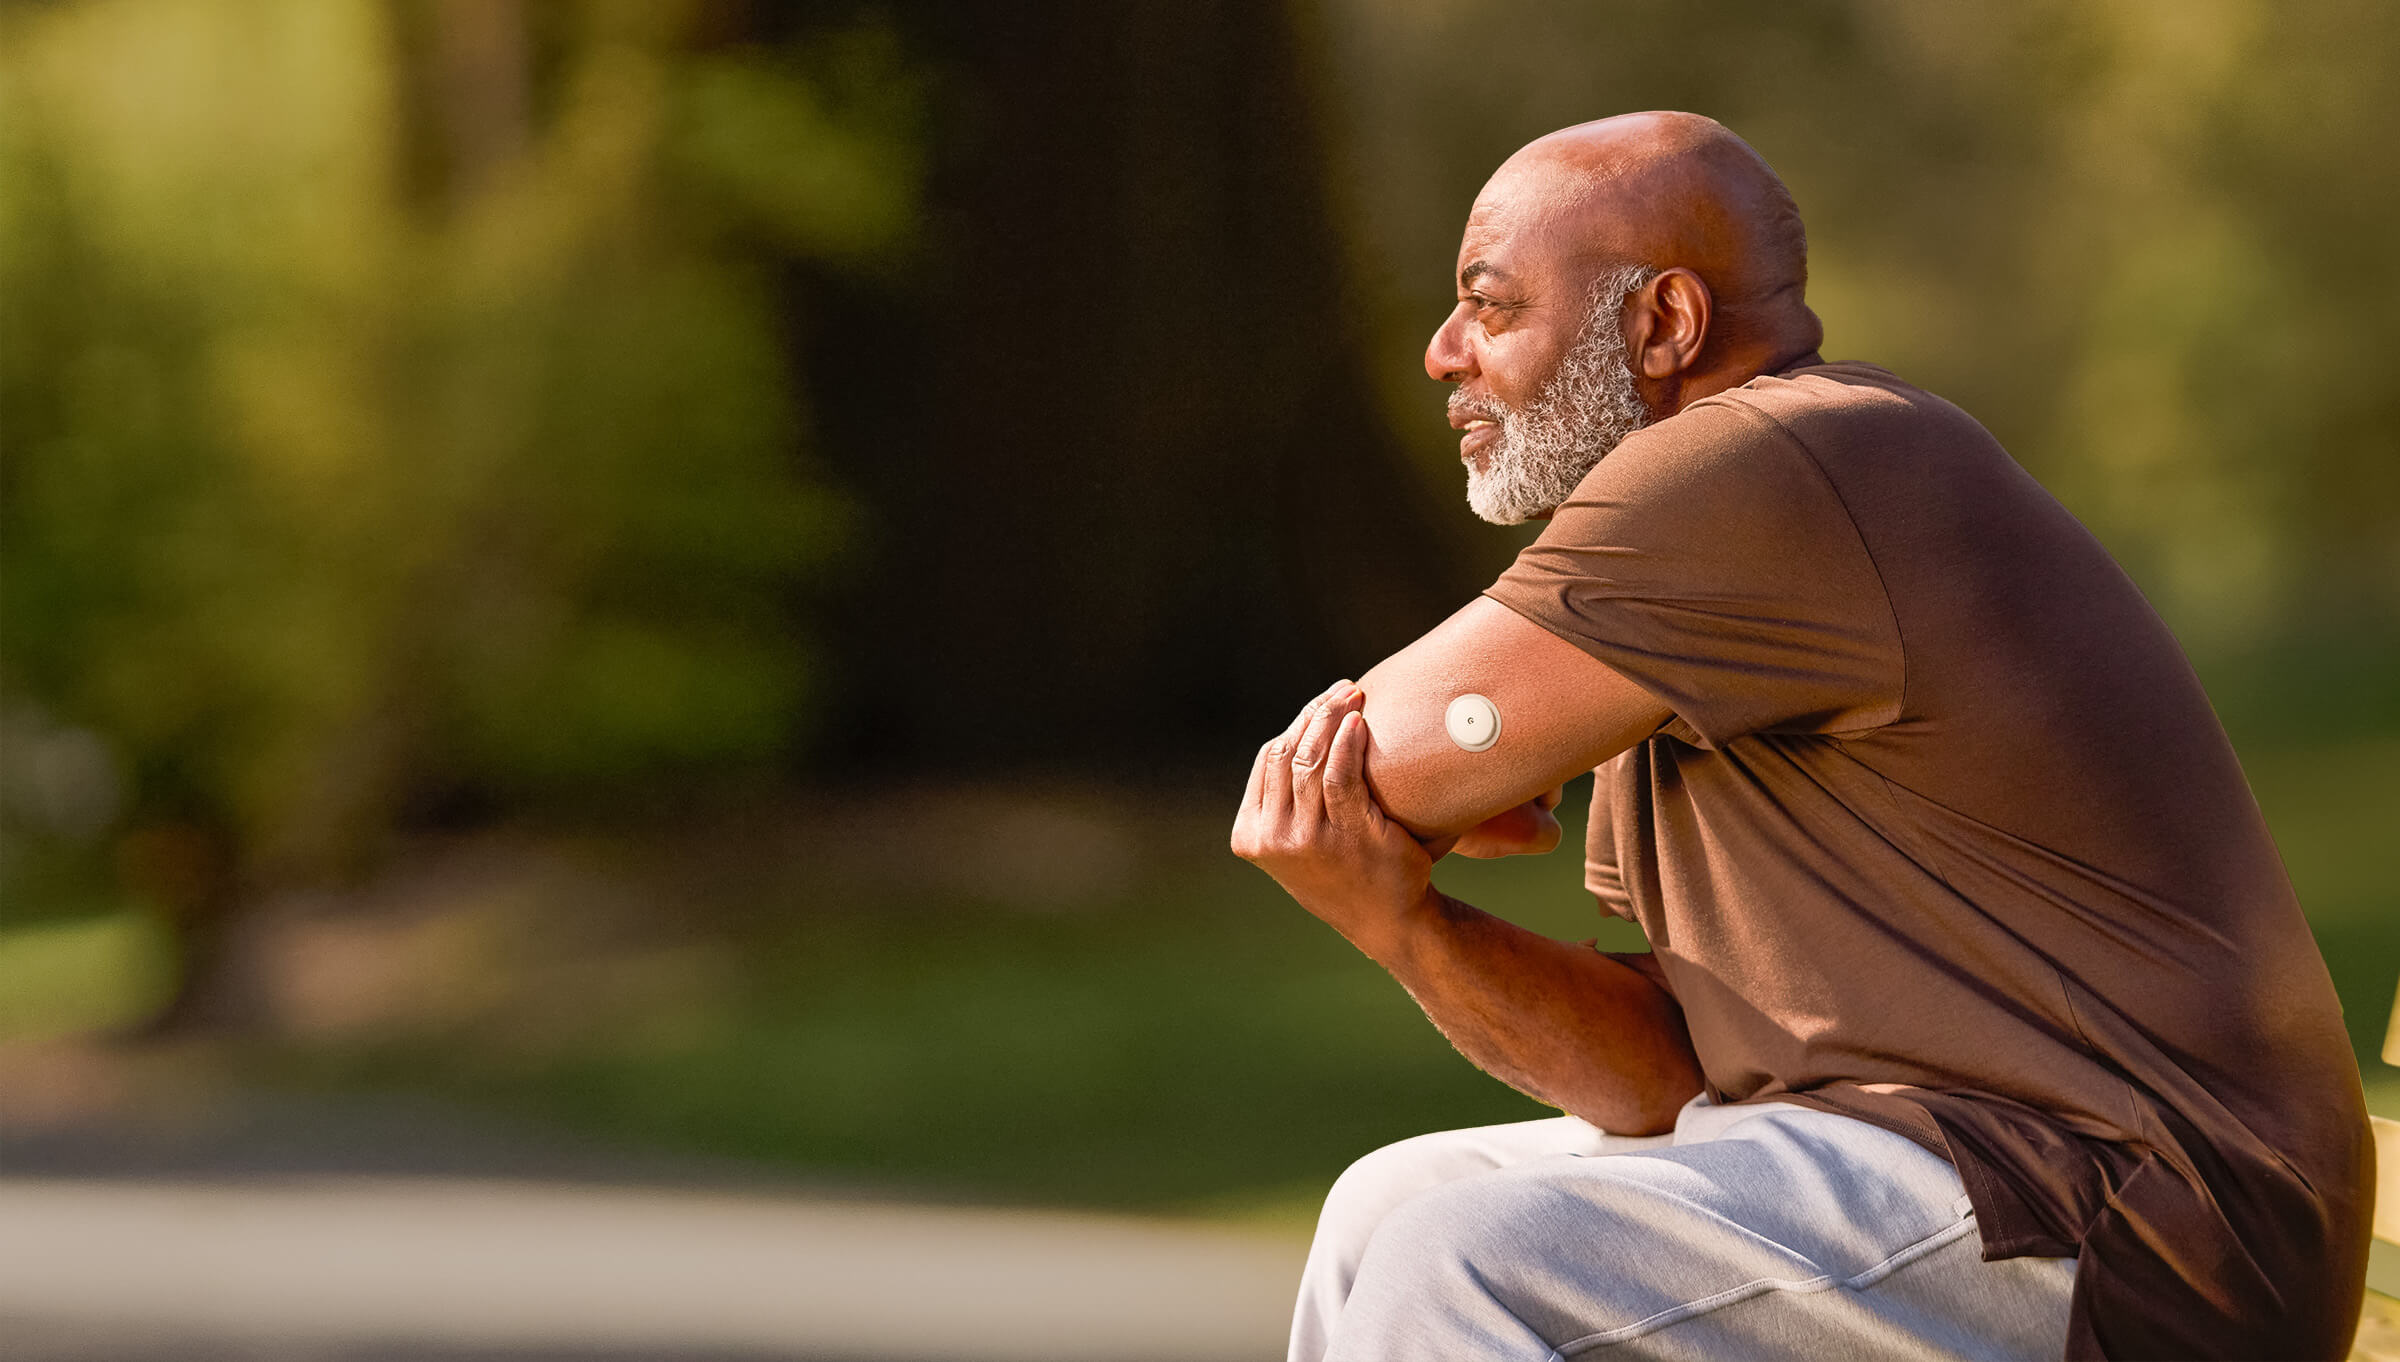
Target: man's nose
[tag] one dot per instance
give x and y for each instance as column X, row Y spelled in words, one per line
column 1447, row 356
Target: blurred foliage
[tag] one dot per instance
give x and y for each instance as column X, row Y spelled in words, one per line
column 424, row 413
column 396, row 410
column 80, row 974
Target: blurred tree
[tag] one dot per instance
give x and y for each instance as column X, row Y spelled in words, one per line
column 395, row 411
column 423, row 405
column 1136, row 497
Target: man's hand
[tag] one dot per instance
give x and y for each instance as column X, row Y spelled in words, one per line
column 1308, row 820
column 1529, row 829
column 1566, row 1024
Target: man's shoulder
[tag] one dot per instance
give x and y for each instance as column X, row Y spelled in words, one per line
column 1842, row 397
column 1857, row 421
column 1810, row 406
column 1831, row 442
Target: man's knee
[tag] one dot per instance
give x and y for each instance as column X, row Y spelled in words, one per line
column 1378, row 1183
column 1498, row 1225
column 1488, row 1255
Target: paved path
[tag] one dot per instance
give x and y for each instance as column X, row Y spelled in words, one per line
column 349, row 1268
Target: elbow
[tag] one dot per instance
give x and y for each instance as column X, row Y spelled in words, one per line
column 1648, row 1108
column 1637, row 1125
column 1657, row 1069
column 1665, row 1101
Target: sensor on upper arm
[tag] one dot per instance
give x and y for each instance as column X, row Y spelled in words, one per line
column 1473, row 722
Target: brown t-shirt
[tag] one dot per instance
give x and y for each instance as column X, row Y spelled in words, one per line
column 1945, row 836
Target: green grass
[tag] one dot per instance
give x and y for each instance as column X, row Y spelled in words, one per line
column 78, row 975
column 1208, row 1046
column 1200, row 1045
column 1195, row 1043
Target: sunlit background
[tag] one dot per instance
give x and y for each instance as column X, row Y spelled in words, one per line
column 631, row 628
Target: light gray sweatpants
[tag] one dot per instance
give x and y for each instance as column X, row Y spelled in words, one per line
column 1757, row 1231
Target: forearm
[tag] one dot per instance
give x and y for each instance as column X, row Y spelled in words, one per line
column 1561, row 1023
column 1574, row 1028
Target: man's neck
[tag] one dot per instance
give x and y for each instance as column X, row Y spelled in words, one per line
column 1737, row 367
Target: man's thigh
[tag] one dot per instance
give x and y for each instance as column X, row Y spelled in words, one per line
column 1796, row 1233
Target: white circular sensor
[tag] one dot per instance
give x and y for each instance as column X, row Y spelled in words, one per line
column 1473, row 721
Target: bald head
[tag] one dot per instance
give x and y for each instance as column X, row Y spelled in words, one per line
column 1666, row 190
column 1660, row 237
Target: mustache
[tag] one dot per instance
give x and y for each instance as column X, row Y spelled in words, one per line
column 1477, row 411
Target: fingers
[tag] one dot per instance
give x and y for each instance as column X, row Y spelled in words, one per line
column 1288, row 770
column 1308, row 763
column 1308, row 753
column 1275, row 795
column 1299, row 724
column 1317, row 738
column 1345, row 766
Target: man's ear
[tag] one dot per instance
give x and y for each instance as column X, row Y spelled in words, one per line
column 1668, row 325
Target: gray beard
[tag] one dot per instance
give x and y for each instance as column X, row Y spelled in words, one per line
column 1580, row 414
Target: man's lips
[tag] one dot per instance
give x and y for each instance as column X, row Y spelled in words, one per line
column 1481, row 431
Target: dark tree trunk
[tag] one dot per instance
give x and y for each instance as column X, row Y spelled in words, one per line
column 191, row 871
column 1134, row 499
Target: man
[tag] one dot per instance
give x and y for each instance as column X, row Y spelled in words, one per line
column 1980, row 1019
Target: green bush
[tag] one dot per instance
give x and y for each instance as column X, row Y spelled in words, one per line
column 394, row 414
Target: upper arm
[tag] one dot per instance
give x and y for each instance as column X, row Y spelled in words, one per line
column 1562, row 712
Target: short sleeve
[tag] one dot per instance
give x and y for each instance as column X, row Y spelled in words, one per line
column 1709, row 560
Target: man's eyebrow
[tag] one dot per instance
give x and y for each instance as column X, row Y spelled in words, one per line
column 1468, row 276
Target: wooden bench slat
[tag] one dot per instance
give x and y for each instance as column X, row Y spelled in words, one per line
column 2387, row 1178
column 2378, row 1331
column 2391, row 1033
